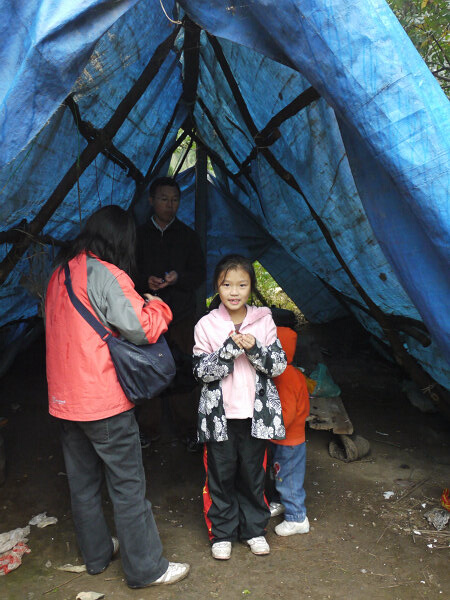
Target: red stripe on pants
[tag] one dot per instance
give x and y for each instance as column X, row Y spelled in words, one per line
column 206, row 495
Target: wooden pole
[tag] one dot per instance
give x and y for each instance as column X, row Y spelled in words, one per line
column 183, row 158
column 201, row 214
column 90, row 133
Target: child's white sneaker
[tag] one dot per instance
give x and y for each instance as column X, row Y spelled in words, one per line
column 276, row 508
column 116, row 547
column 258, row 545
column 221, row 550
column 291, row 527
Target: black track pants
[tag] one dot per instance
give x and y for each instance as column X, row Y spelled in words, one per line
column 233, row 497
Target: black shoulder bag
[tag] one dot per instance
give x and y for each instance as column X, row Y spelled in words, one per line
column 143, row 371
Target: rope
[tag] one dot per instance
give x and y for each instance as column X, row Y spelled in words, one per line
column 165, row 12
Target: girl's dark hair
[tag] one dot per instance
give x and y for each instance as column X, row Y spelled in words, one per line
column 234, row 261
column 110, row 234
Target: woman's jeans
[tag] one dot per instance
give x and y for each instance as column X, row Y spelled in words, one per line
column 289, row 463
column 112, row 444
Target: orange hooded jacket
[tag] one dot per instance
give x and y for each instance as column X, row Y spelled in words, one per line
column 291, row 386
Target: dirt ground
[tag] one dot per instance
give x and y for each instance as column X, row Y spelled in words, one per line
column 361, row 545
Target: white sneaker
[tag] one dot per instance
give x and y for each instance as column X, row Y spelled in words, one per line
column 175, row 572
column 276, row 508
column 221, row 550
column 258, row 545
column 291, row 527
column 116, row 548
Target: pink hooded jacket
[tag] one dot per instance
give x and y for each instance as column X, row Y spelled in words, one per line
column 211, row 331
column 236, row 383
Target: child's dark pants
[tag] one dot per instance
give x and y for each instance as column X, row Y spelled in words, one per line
column 233, row 497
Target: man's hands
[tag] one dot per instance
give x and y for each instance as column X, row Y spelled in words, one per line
column 246, row 341
column 171, row 277
column 155, row 283
column 158, row 283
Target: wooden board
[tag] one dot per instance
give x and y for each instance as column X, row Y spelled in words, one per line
column 329, row 413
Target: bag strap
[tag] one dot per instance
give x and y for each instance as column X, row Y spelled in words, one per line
column 84, row 312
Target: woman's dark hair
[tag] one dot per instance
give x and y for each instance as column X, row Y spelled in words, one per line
column 110, row 234
column 234, row 261
column 159, row 182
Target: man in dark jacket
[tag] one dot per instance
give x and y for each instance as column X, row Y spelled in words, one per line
column 171, row 265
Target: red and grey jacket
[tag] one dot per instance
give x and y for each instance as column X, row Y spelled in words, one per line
column 82, row 382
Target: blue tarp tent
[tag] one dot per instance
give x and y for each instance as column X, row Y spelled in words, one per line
column 328, row 135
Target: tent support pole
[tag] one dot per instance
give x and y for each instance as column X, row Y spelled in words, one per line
column 411, row 327
column 88, row 154
column 90, row 133
column 191, row 52
column 226, row 69
column 303, row 100
column 219, row 162
column 270, row 133
column 437, row 394
column 201, row 214
column 149, row 174
column 220, row 135
column 183, row 158
column 191, row 57
column 225, row 143
column 167, row 154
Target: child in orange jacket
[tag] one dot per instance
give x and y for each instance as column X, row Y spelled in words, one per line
column 289, row 455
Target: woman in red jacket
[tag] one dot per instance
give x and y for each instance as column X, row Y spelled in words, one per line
column 98, row 427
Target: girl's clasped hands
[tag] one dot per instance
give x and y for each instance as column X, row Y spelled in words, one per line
column 246, row 341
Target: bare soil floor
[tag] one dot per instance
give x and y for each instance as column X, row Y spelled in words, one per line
column 361, row 545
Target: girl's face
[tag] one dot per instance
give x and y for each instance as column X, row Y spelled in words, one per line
column 234, row 287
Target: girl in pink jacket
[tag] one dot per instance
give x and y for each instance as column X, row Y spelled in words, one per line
column 236, row 354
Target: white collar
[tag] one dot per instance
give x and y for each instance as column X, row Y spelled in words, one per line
column 158, row 227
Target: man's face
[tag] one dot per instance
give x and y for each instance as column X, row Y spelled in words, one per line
column 165, row 202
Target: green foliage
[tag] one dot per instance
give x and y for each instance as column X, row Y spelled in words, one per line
column 272, row 292
column 189, row 160
column 428, row 25
column 179, row 153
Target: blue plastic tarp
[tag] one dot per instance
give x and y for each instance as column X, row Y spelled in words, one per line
column 371, row 156
column 359, row 58
column 44, row 42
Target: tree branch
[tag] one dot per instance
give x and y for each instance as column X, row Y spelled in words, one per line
column 18, row 233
